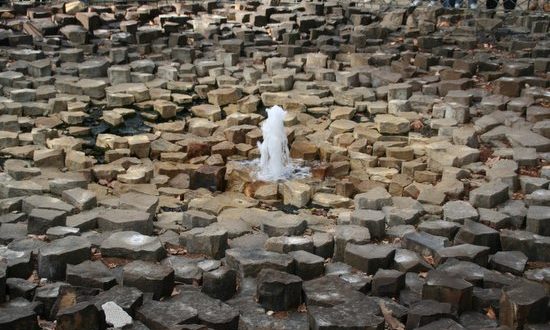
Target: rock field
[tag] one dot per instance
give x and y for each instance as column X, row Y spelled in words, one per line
column 129, row 199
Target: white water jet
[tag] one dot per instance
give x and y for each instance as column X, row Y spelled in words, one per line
column 274, row 159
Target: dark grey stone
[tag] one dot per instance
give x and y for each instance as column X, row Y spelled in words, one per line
column 427, row 311
column 149, row 277
column 251, row 262
column 388, row 283
column 374, row 221
column 513, row 262
column 307, row 265
column 348, row 234
column 369, row 258
column 128, row 298
column 132, row 245
column 92, row 274
column 166, row 315
column 220, row 283
column 278, row 291
column 40, row 220
column 211, row 312
column 538, row 220
column 522, row 304
column 467, row 252
column 54, row 257
column 211, row 240
column 424, row 243
column 478, row 234
column 443, row 287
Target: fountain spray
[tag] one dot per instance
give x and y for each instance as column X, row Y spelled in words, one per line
column 274, row 159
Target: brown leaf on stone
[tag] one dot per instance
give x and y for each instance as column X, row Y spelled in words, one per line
column 417, row 125
column 175, row 292
column 537, row 264
column 429, row 259
column 114, row 262
column 533, row 171
column 96, row 254
column 175, row 250
column 492, row 161
column 485, row 153
column 46, row 325
column 34, row 278
column 518, row 196
column 391, row 321
column 491, row 313
column 39, row 237
column 302, row 308
column 423, row 274
column 280, row 315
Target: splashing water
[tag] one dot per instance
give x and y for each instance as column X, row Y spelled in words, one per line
column 274, row 162
column 274, row 152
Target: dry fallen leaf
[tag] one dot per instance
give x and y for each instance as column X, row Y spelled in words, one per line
column 280, row 315
column 492, row 161
column 175, row 292
column 429, row 259
column 302, row 308
column 491, row 313
column 417, row 125
column 391, row 321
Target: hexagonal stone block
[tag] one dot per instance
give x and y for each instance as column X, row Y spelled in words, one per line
column 458, row 211
column 249, row 262
column 489, row 195
column 442, row 287
column 538, row 220
column 347, row 234
column 220, row 283
column 91, row 274
column 132, row 245
column 375, row 221
column 149, row 277
column 278, row 291
column 130, row 220
column 211, row 240
column 388, row 283
column 467, row 252
column 54, row 257
column 370, row 257
column 307, row 265
column 373, row 199
column 513, row 262
column 522, row 304
column 478, row 234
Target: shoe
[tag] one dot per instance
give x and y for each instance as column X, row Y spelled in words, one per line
column 473, row 6
column 416, row 3
column 457, row 5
